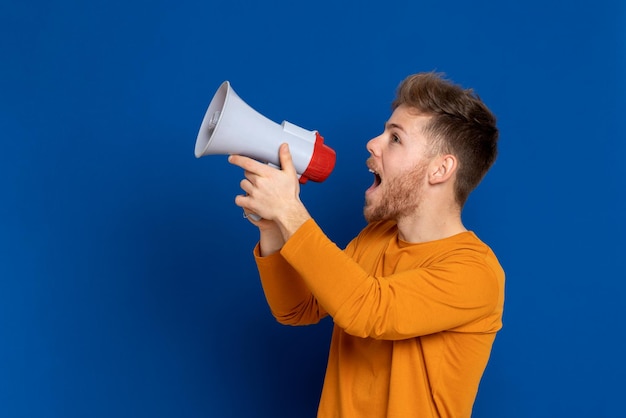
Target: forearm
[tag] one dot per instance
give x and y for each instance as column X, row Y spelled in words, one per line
column 291, row 219
column 274, row 233
column 290, row 301
column 325, row 270
column 270, row 241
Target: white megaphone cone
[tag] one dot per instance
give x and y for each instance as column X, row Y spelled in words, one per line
column 230, row 126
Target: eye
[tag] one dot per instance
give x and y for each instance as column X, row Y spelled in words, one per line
column 395, row 139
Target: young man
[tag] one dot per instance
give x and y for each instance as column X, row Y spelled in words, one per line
column 416, row 298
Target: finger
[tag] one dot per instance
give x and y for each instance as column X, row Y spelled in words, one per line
column 242, row 200
column 286, row 161
column 248, row 213
column 252, row 177
column 247, row 186
column 248, row 164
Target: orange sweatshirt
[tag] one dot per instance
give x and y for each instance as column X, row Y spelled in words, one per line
column 414, row 323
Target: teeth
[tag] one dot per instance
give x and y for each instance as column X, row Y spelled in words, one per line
column 373, row 172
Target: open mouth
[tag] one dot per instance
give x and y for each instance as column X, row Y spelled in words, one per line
column 377, row 180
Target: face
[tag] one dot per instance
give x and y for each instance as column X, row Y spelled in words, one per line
column 399, row 160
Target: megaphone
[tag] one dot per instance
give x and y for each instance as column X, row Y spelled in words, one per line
column 230, row 126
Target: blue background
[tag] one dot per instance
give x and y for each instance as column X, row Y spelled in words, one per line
column 127, row 284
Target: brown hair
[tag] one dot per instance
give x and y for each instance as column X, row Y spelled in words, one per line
column 461, row 125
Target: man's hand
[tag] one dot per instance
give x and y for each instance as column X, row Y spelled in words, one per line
column 273, row 194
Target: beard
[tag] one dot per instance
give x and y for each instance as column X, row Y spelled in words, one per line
column 401, row 196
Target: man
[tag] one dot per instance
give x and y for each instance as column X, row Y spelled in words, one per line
column 416, row 298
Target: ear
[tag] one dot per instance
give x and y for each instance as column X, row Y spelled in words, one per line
column 442, row 168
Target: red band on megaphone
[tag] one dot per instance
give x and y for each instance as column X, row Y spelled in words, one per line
column 322, row 162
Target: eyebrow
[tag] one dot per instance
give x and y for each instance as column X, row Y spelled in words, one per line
column 394, row 125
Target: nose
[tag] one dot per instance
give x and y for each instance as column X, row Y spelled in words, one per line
column 372, row 146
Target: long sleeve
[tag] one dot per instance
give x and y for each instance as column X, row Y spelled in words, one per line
column 454, row 290
column 288, row 297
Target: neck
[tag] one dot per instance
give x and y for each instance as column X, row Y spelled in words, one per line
column 432, row 226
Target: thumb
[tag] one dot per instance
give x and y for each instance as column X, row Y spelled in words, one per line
column 286, row 162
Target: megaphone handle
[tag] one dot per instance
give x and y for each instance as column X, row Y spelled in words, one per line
column 252, row 216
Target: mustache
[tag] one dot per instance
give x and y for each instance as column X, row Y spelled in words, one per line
column 370, row 164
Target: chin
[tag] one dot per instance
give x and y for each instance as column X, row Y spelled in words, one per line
column 367, row 214
column 371, row 215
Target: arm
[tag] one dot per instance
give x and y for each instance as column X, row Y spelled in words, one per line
column 459, row 292
column 273, row 194
column 288, row 297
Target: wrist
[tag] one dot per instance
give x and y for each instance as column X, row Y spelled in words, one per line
column 270, row 240
column 290, row 224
